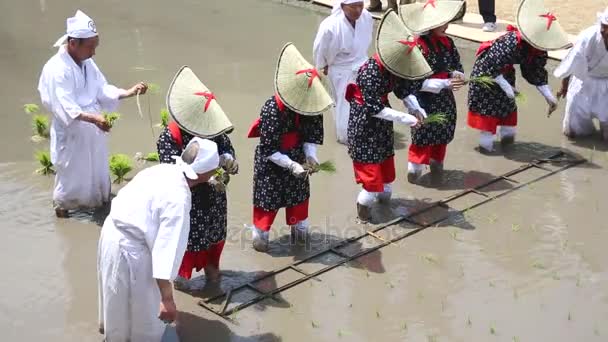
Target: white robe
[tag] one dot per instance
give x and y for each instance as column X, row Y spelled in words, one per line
column 143, row 239
column 587, row 66
column 343, row 49
column 78, row 149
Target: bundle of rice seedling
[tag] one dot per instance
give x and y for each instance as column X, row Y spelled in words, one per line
column 40, row 125
column 164, row 118
column 520, row 98
column 436, row 118
column 44, row 158
column 222, row 176
column 120, row 166
column 152, row 157
column 327, row 166
column 153, row 88
column 111, row 118
column 31, row 108
column 484, row 81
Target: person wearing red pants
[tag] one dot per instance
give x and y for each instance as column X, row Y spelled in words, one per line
column 430, row 140
column 290, row 127
column 370, row 127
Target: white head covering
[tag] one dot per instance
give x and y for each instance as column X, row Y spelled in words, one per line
column 338, row 5
column 206, row 160
column 603, row 17
column 78, row 26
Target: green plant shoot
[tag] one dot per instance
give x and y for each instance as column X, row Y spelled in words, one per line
column 111, row 118
column 44, row 158
column 31, row 108
column 436, row 118
column 120, row 166
column 164, row 118
column 40, row 125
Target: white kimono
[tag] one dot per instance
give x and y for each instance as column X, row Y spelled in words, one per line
column 587, row 66
column 343, row 49
column 143, row 239
column 78, row 149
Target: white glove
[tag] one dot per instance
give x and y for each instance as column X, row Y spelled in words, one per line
column 435, row 85
column 505, row 86
column 457, row 74
column 284, row 161
column 545, row 90
column 310, row 151
column 412, row 105
column 228, row 162
column 397, row 116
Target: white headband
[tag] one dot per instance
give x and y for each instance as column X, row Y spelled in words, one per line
column 207, row 158
column 603, row 17
column 78, row 26
column 338, row 5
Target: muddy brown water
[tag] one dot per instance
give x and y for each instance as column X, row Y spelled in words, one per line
column 530, row 266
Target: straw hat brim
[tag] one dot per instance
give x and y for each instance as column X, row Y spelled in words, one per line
column 421, row 17
column 299, row 85
column 533, row 27
column 186, row 101
column 401, row 59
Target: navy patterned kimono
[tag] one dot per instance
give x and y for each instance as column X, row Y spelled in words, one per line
column 275, row 187
column 208, row 216
column 370, row 139
column 498, row 59
column 443, row 58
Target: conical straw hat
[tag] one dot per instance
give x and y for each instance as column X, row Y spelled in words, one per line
column 420, row 17
column 299, row 84
column 539, row 27
column 194, row 107
column 398, row 49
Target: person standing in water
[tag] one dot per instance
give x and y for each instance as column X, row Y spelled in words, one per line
column 494, row 106
column 584, row 74
column 393, row 68
column 196, row 113
column 142, row 243
column 290, row 127
column 340, row 48
column 72, row 87
column 430, row 140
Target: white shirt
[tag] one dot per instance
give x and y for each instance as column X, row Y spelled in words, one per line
column 587, row 58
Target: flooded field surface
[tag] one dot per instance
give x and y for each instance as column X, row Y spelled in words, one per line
column 528, row 266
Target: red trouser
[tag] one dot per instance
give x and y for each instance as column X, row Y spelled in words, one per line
column 199, row 260
column 489, row 123
column 424, row 154
column 374, row 176
column 263, row 219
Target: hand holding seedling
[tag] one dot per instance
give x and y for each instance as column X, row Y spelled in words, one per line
column 456, row 83
column 138, row 89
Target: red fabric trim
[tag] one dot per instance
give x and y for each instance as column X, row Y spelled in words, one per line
column 313, row 73
column 176, row 134
column 441, row 75
column 379, row 61
column 254, row 129
column 200, row 260
column 209, row 96
column 424, row 154
column 489, row 123
column 373, row 176
column 263, row 219
column 353, row 92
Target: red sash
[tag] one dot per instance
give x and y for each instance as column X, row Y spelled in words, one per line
column 176, row 134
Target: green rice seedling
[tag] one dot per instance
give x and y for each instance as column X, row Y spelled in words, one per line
column 44, row 158
column 111, row 118
column 492, row 218
column 31, row 108
column 153, row 88
column 327, row 166
column 430, row 258
column 492, row 329
column 539, row 265
column 152, row 157
column 484, row 81
column 120, row 166
column 164, row 118
column 377, row 314
column 436, row 118
column 515, row 227
column 41, row 127
column 314, row 324
column 520, row 98
column 469, row 322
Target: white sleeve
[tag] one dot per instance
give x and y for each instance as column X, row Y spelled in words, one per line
column 310, row 150
column 281, row 159
column 172, row 238
column 505, row 86
column 434, row 85
column 107, row 95
column 412, row 105
column 65, row 107
column 575, row 63
column 397, row 116
column 320, row 47
column 546, row 92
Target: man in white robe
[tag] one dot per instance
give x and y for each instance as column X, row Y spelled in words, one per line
column 340, row 48
column 73, row 88
column 142, row 244
column 585, row 81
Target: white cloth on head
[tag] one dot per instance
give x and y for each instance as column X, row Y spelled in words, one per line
column 338, row 5
column 603, row 17
column 343, row 49
column 207, row 158
column 78, row 149
column 144, row 238
column 587, row 66
column 78, row 26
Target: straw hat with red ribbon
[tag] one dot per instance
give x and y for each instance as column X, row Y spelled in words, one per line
column 540, row 27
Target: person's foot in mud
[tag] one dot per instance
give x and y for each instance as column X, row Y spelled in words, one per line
column 364, row 213
column 212, row 274
column 436, row 172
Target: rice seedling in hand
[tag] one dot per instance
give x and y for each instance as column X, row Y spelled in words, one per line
column 41, row 127
column 153, row 88
column 111, row 118
column 44, row 158
column 31, row 108
column 436, row 119
column 120, row 166
column 520, row 98
column 484, row 81
column 327, row 166
column 164, row 119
